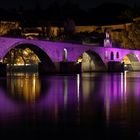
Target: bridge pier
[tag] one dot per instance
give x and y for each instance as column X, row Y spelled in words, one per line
column 115, row 66
column 46, row 69
column 3, row 69
column 70, row 67
column 60, row 67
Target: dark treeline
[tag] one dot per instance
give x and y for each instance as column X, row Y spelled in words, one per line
column 107, row 13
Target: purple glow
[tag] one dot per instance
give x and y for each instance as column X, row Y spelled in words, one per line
column 78, row 95
column 55, row 50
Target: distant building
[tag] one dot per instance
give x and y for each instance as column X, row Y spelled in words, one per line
column 54, row 30
column 136, row 19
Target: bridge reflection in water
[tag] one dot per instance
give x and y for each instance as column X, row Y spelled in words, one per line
column 24, row 86
column 96, row 102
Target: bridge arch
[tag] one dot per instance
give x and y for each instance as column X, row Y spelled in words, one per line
column 131, row 62
column 91, row 61
column 45, row 65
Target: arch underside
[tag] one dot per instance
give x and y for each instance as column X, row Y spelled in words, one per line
column 46, row 64
column 91, row 62
column 131, row 62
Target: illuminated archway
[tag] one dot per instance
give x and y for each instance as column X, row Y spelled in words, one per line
column 91, row 61
column 45, row 63
column 131, row 62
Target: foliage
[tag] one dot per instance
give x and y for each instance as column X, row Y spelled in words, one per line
column 69, row 27
column 131, row 38
column 14, row 33
column 127, row 14
column 21, row 56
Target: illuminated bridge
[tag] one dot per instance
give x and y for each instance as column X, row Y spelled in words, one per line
column 54, row 55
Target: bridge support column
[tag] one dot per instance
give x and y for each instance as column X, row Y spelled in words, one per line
column 46, row 69
column 115, row 66
column 70, row 67
column 60, row 67
column 2, row 69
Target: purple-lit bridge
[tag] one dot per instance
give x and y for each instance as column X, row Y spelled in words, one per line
column 91, row 57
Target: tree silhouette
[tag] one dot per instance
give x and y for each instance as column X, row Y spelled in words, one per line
column 69, row 27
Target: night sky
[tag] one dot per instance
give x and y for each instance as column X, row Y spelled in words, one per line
column 44, row 3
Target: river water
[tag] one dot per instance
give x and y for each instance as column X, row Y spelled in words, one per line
column 80, row 105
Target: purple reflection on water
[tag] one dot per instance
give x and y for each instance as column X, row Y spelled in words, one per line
column 7, row 106
column 98, row 100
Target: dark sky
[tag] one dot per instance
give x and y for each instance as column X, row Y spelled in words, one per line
column 83, row 3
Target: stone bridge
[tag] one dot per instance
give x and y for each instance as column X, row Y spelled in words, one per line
column 91, row 57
